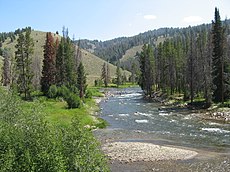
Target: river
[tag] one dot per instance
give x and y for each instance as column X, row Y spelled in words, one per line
column 133, row 118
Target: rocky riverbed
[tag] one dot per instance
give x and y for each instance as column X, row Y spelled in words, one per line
column 126, row 152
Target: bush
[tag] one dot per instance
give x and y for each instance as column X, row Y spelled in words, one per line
column 52, row 92
column 28, row 143
column 64, row 92
column 88, row 94
column 73, row 101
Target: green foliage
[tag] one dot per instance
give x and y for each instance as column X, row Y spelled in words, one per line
column 53, row 91
column 105, row 74
column 81, row 80
column 95, row 91
column 89, row 94
column 118, row 76
column 29, row 143
column 146, row 59
column 98, row 83
column 73, row 101
column 220, row 63
column 70, row 97
column 23, row 55
column 63, row 91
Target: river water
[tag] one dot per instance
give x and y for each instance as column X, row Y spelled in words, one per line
column 133, row 118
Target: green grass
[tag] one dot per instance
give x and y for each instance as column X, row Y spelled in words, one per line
column 126, row 85
column 57, row 113
column 95, row 91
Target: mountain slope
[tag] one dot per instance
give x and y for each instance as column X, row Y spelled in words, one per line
column 131, row 53
column 92, row 63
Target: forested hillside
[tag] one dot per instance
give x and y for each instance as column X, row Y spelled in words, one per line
column 93, row 64
column 113, row 50
column 194, row 63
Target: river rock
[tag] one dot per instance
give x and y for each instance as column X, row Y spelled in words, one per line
column 137, row 151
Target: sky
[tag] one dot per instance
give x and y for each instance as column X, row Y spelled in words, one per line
column 107, row 19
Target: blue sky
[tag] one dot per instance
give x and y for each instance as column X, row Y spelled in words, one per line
column 107, row 19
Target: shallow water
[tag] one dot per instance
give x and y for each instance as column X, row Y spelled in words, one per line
column 126, row 110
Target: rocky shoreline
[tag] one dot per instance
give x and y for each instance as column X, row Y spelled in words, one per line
column 129, row 152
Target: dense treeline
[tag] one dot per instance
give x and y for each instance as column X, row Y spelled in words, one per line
column 194, row 63
column 114, row 49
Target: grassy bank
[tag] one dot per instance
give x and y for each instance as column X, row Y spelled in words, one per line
column 56, row 112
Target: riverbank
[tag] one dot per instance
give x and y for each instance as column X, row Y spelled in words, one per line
column 216, row 112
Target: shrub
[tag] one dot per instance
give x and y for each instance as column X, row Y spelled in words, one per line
column 53, row 91
column 73, row 101
column 29, row 143
column 88, row 94
column 63, row 91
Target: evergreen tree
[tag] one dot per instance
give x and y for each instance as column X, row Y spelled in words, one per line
column 6, row 75
column 147, row 68
column 118, row 76
column 60, row 64
column 49, row 68
column 65, row 63
column 133, row 73
column 23, row 55
column 124, row 78
column 78, row 54
column 69, row 63
column 105, row 74
column 81, row 80
column 208, row 71
column 219, row 63
column 191, row 65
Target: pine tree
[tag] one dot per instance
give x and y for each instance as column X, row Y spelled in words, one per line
column 219, row 65
column 49, row 68
column 6, row 75
column 69, row 63
column 105, row 74
column 81, row 80
column 23, row 55
column 60, row 64
column 65, row 63
column 147, row 68
column 118, row 76
column 77, row 54
column 191, row 65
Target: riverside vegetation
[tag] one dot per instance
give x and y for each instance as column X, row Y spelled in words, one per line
column 45, row 136
column 48, row 130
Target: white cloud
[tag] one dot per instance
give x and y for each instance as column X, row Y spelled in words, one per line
column 150, row 17
column 192, row 19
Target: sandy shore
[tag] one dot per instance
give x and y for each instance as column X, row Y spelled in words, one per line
column 138, row 151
